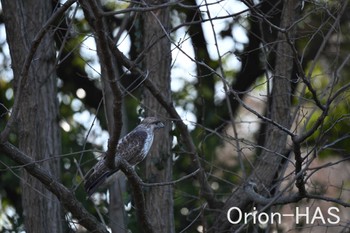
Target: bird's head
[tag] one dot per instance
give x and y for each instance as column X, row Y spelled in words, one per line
column 153, row 122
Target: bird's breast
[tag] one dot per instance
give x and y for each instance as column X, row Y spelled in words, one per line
column 148, row 143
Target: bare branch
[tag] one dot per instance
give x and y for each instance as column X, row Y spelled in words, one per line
column 302, row 73
column 206, row 190
column 65, row 196
column 171, row 182
column 300, row 183
column 277, row 200
column 137, row 193
column 328, row 199
column 320, row 119
column 327, row 37
column 143, row 8
column 250, row 109
column 93, row 14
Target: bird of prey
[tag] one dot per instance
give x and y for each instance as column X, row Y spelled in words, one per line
column 133, row 147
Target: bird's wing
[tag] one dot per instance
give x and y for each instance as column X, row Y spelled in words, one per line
column 131, row 147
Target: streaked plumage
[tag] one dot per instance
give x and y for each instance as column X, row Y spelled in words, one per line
column 134, row 147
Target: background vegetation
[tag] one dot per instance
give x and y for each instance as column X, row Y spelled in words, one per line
column 254, row 95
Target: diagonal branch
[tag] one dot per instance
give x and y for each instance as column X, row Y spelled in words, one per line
column 206, row 190
column 65, row 196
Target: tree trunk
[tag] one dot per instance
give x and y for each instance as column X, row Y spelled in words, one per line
column 157, row 61
column 38, row 131
column 269, row 161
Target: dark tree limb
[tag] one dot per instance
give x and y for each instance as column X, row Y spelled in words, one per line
column 65, row 196
column 93, row 13
column 136, row 184
column 113, row 102
column 206, row 190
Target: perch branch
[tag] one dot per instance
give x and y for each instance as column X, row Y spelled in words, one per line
column 136, row 184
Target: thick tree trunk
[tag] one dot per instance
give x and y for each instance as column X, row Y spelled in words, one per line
column 38, row 131
column 157, row 61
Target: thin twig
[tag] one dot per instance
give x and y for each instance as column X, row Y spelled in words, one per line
column 226, row 89
column 171, row 182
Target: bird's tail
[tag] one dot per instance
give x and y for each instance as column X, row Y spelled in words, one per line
column 96, row 176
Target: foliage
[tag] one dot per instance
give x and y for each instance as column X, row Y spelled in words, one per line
column 221, row 87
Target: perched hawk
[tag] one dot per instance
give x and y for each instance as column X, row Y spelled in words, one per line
column 134, row 147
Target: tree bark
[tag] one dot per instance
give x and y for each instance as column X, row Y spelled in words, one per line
column 38, row 130
column 158, row 165
column 269, row 161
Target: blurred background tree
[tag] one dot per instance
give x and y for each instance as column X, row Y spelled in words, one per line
column 260, row 85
